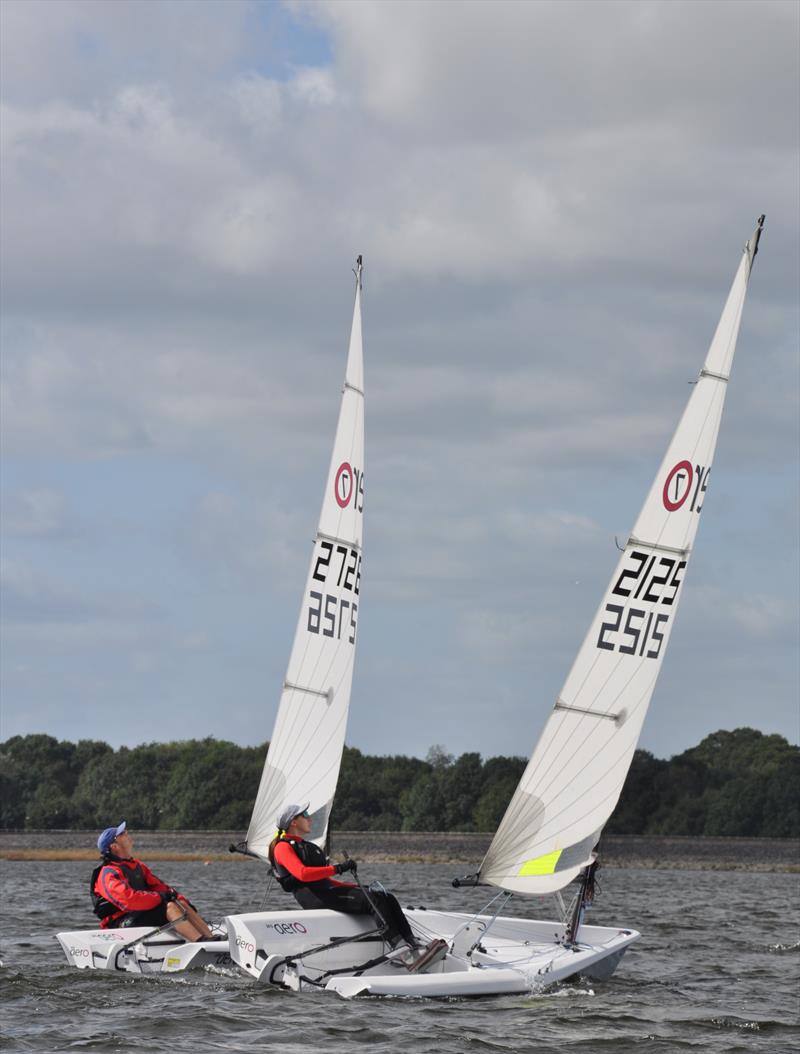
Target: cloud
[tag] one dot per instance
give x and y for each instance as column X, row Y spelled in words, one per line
column 550, row 199
column 35, row 514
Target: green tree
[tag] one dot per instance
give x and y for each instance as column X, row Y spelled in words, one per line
column 641, row 795
column 211, row 784
column 423, row 805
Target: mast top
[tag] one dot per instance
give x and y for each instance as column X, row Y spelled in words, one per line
column 752, row 245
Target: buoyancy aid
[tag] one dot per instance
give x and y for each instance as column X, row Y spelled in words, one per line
column 131, row 872
column 310, row 854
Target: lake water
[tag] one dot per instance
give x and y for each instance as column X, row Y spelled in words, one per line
column 716, row 970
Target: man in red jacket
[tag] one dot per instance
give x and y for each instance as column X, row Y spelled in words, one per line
column 125, row 892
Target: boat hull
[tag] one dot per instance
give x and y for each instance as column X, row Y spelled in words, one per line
column 134, row 950
column 311, row 949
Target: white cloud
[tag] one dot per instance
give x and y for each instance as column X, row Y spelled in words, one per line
column 550, row 199
column 35, row 514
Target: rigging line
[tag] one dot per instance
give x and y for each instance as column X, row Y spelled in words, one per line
column 503, row 893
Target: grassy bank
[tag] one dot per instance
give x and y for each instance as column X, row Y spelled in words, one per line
column 462, row 849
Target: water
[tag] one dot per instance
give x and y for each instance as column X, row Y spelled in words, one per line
column 715, row 970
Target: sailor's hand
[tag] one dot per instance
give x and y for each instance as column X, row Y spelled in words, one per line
column 346, row 865
column 168, row 895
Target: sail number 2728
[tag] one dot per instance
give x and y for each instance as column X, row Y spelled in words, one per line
column 334, row 614
column 650, row 579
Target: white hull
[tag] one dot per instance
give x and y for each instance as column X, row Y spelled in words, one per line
column 294, row 950
column 136, row 950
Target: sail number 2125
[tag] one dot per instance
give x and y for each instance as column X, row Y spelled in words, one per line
column 650, row 579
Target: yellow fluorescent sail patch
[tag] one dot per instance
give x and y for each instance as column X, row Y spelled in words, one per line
column 542, row 865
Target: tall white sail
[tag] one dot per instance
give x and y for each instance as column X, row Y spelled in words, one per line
column 305, row 750
column 576, row 773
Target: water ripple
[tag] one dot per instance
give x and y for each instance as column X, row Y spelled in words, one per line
column 712, row 974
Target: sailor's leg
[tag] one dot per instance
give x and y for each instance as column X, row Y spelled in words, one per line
column 388, row 905
column 194, row 918
column 353, row 901
column 186, row 928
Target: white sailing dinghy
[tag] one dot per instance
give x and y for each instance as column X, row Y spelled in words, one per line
column 307, row 742
column 549, row 833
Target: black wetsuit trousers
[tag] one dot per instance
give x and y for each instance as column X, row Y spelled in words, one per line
column 352, row 901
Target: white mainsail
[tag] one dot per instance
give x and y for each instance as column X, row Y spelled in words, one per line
column 305, row 750
column 574, row 777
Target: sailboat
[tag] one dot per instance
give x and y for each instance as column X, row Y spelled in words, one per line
column 549, row 834
column 305, row 750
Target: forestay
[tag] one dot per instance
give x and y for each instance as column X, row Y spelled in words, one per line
column 305, row 750
column 576, row 773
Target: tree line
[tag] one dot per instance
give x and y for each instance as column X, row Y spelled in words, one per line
column 733, row 783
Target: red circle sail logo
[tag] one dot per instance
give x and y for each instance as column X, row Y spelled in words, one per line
column 677, row 486
column 343, row 485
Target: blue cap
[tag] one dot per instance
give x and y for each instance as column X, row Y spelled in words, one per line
column 108, row 836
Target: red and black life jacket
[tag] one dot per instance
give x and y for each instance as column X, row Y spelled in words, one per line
column 310, row 854
column 130, row 870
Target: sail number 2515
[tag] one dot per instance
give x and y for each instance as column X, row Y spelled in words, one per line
column 333, row 614
column 650, row 579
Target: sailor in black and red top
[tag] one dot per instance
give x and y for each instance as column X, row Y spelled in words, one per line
column 128, row 887
column 302, row 868
column 125, row 892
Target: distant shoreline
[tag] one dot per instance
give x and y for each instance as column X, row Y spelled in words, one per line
column 663, row 852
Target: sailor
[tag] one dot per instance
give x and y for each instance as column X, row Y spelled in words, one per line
column 125, row 892
column 303, row 869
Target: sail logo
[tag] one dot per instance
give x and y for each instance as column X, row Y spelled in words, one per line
column 347, row 483
column 682, row 480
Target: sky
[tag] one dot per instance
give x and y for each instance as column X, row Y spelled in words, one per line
column 551, row 200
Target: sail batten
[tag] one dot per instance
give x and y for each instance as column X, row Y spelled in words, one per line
column 577, row 770
column 305, row 749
